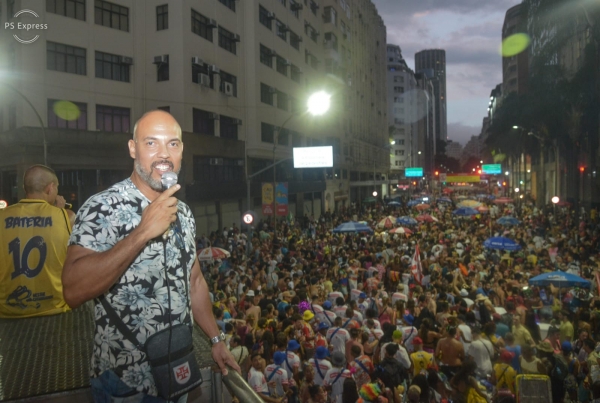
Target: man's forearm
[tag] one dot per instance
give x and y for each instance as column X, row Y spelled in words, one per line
column 86, row 275
column 201, row 306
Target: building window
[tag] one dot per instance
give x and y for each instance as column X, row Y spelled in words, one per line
column 266, row 94
column 295, row 7
column 230, row 4
column 283, row 2
column 399, row 90
column 111, row 67
column 398, row 79
column 296, row 73
column 227, row 40
column 314, row 62
column 267, row 133
column 218, row 170
column 111, row 15
column 282, row 101
column 202, row 69
column 228, row 78
column 399, row 152
column 112, row 119
column 68, row 8
column 264, row 17
column 313, row 7
column 330, row 16
column 295, row 40
column 281, row 30
column 282, row 65
column 314, row 35
column 201, row 26
column 162, row 70
column 203, row 122
column 62, row 115
column 65, row 58
column 162, row 17
column 331, row 41
column 399, row 142
column 229, row 127
column 266, row 57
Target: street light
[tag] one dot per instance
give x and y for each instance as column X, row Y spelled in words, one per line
column 319, row 103
column 393, row 142
column 506, row 173
column 555, row 199
column 374, row 193
column 419, row 152
column 516, row 190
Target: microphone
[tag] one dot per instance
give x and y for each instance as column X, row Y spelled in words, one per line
column 168, row 179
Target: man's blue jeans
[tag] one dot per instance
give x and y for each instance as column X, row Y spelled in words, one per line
column 109, row 388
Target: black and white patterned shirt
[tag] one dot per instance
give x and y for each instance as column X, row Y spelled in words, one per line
column 140, row 295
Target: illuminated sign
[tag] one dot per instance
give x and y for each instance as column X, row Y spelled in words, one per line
column 492, row 169
column 313, row 157
column 413, row 172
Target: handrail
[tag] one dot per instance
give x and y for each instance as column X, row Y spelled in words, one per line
column 239, row 388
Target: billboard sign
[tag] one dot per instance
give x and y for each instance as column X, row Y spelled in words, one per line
column 313, row 157
column 491, row 169
column 413, row 172
column 281, row 199
column 267, row 199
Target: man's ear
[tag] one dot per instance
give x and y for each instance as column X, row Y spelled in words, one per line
column 131, row 145
column 49, row 187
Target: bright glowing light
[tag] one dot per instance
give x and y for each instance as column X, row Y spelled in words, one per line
column 517, row 190
column 520, row 182
column 319, row 103
column 66, row 110
column 529, row 171
column 419, row 153
column 481, row 162
column 375, row 193
column 425, row 199
column 520, row 197
column 514, row 44
column 555, row 199
column 515, row 127
column 506, row 173
column 393, row 142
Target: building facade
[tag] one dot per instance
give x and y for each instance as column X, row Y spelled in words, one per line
column 402, row 95
column 235, row 75
column 432, row 63
column 454, row 149
column 515, row 69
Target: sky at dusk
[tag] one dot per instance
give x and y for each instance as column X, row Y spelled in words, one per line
column 470, row 32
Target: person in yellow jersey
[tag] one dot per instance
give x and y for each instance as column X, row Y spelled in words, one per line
column 34, row 237
column 421, row 360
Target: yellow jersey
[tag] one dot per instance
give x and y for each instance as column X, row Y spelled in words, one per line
column 33, row 248
column 421, row 361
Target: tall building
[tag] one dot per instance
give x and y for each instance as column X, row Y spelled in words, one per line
column 454, row 149
column 432, row 63
column 402, row 96
column 515, row 69
column 424, row 155
column 235, row 75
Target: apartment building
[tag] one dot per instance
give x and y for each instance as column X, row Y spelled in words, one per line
column 235, row 74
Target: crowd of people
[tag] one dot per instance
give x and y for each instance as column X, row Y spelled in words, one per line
column 316, row 316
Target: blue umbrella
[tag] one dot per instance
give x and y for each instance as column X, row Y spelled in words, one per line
column 465, row 211
column 394, row 203
column 414, row 202
column 352, row 226
column 502, row 243
column 406, row 220
column 560, row 279
column 508, row 220
column 444, row 200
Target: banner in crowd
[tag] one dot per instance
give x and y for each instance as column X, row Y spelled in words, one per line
column 267, row 198
column 281, row 199
column 415, row 266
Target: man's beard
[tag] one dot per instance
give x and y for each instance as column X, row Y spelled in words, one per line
column 146, row 176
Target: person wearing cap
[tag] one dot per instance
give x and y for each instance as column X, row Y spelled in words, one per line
column 334, row 378
column 326, row 315
column 399, row 295
column 503, row 374
column 258, row 381
column 320, row 335
column 320, row 364
column 421, row 360
column 292, row 361
column 277, row 377
column 401, row 354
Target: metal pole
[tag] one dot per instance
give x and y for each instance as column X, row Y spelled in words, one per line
column 39, row 119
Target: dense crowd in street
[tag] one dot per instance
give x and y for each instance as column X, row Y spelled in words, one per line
column 428, row 315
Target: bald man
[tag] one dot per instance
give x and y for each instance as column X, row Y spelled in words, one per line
column 34, row 238
column 117, row 255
